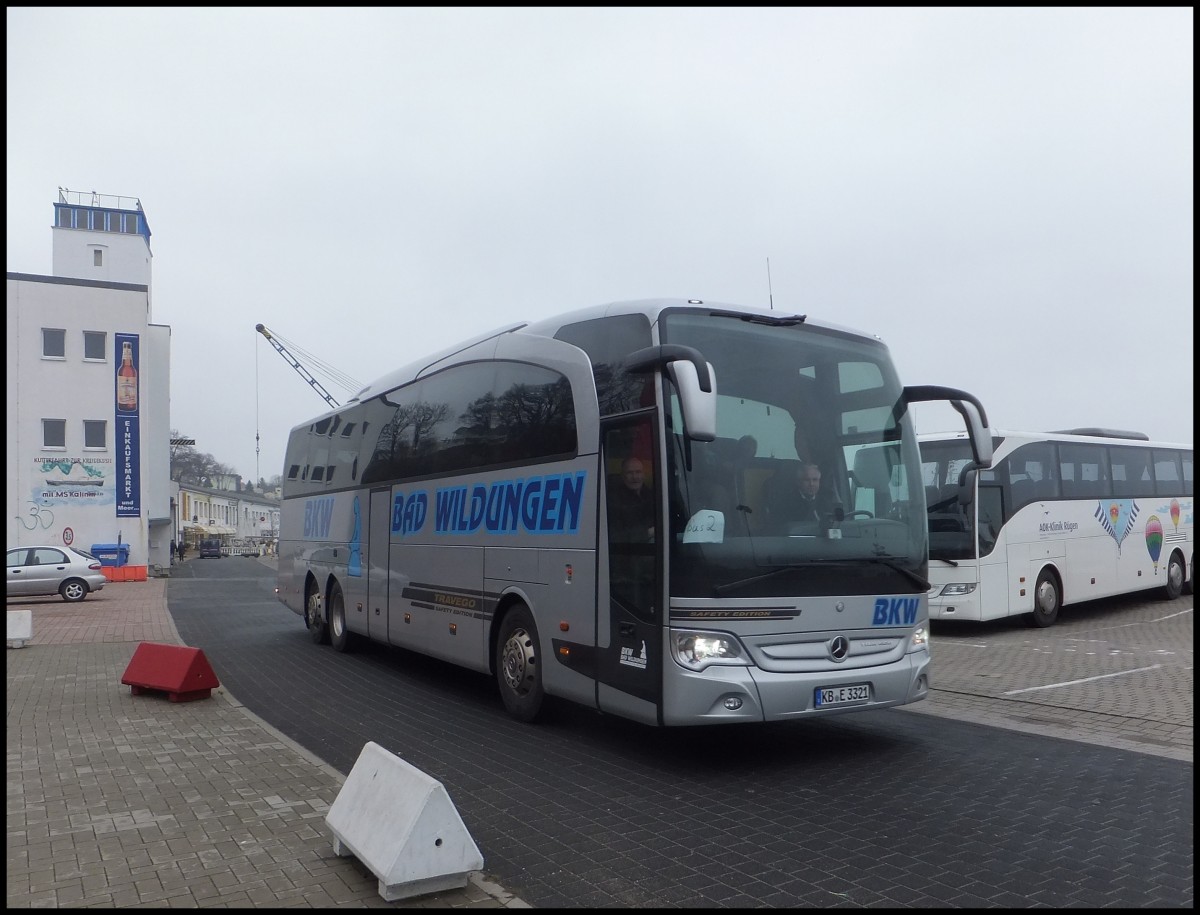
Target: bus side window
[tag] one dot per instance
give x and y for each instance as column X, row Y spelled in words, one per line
column 991, row 516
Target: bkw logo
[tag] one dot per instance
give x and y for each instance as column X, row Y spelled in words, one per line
column 318, row 513
column 895, row 611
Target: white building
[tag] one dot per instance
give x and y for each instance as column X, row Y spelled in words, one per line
column 89, row 443
column 241, row 520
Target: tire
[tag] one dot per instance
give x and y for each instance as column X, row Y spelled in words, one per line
column 518, row 665
column 1176, row 576
column 318, row 629
column 73, row 590
column 1047, row 599
column 341, row 638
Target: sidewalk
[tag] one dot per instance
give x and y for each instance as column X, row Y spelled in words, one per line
column 117, row 800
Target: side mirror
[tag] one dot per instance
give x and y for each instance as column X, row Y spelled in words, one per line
column 971, row 411
column 979, row 433
column 694, row 380
column 966, row 484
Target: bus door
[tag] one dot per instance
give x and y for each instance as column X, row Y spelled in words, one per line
column 379, row 541
column 629, row 608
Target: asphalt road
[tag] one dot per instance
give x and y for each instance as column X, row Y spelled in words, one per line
column 889, row 808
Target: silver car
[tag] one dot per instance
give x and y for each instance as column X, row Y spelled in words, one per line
column 67, row 571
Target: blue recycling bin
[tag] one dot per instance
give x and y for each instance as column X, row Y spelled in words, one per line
column 111, row 554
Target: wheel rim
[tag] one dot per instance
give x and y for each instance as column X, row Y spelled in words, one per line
column 1047, row 598
column 73, row 591
column 517, row 661
column 1175, row 575
column 310, row 611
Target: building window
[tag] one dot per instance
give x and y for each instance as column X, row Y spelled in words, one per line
column 97, row 257
column 129, row 223
column 54, row 343
column 95, row 433
column 95, row 345
column 54, row 433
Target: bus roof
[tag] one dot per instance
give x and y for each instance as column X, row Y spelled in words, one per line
column 1012, row 437
column 547, row 327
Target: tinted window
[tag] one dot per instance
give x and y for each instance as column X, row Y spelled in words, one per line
column 1084, row 471
column 1131, row 471
column 1032, row 474
column 478, row 415
column 607, row 341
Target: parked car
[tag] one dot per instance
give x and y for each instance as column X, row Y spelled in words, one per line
column 210, row 547
column 66, row 571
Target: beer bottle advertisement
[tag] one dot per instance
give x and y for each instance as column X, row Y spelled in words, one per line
column 128, row 432
column 127, row 381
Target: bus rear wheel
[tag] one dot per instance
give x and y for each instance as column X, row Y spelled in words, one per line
column 1176, row 576
column 340, row 637
column 1047, row 598
column 518, row 665
column 318, row 629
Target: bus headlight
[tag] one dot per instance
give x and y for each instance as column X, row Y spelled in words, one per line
column 919, row 639
column 958, row 590
column 698, row 650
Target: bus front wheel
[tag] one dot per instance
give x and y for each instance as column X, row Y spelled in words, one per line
column 1176, row 575
column 1047, row 598
column 518, row 666
column 318, row 629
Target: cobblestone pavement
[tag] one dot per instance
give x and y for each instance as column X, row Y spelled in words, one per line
column 117, row 800
column 126, row 801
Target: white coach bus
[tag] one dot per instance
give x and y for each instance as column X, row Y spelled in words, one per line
column 473, row 507
column 1060, row 517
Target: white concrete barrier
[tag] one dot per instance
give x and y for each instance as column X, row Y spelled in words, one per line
column 20, row 627
column 402, row 826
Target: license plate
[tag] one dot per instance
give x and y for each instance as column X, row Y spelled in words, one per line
column 830, row 696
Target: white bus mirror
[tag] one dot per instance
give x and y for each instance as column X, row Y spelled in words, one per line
column 699, row 407
column 694, row 379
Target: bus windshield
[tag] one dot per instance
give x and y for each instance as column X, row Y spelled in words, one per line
column 801, row 411
column 951, row 520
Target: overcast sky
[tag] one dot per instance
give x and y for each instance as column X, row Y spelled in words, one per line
column 1005, row 196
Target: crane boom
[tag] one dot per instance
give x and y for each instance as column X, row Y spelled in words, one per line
column 294, row 363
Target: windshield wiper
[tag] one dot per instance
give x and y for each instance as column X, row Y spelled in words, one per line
column 907, row 573
column 722, row 590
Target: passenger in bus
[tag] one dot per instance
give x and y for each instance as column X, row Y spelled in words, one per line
column 631, row 505
column 795, row 497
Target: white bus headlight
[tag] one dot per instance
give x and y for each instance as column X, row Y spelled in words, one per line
column 958, row 590
column 919, row 639
column 698, row 650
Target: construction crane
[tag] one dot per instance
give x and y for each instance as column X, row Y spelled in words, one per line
column 342, row 379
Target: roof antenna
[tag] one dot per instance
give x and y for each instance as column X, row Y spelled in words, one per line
column 770, row 294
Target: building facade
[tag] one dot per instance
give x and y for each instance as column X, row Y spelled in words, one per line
column 89, row 389
column 244, row 522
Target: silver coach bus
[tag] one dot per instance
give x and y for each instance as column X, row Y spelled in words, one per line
column 599, row 507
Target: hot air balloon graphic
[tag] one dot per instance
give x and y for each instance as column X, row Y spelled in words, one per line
column 1175, row 513
column 1154, row 539
column 1117, row 519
